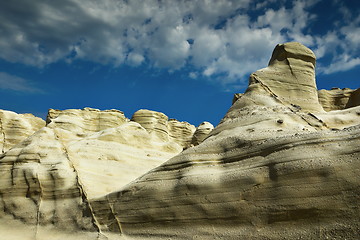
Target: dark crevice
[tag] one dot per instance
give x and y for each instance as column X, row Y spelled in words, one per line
column 273, row 175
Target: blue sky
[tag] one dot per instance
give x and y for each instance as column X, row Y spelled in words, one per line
column 183, row 58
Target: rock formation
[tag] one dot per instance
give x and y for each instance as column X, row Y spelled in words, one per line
column 14, row 128
column 49, row 178
column 160, row 127
column 338, row 99
column 276, row 167
column 201, row 133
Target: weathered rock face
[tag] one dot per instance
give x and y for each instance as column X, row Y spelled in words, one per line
column 339, row 99
column 39, row 185
column 274, row 168
column 354, row 99
column 202, row 132
column 77, row 123
column 49, row 179
column 14, row 128
column 290, row 76
column 236, row 97
column 160, row 127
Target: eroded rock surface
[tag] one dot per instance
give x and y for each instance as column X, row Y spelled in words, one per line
column 48, row 179
column 160, row 127
column 339, row 99
column 276, row 167
column 201, row 133
column 14, row 128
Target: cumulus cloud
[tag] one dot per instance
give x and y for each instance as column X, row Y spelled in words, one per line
column 216, row 37
column 343, row 64
column 14, row 83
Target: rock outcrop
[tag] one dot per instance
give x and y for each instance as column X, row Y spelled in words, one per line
column 160, row 127
column 274, row 168
column 278, row 166
column 14, row 128
column 339, row 99
column 49, row 178
column 290, row 76
column 201, row 133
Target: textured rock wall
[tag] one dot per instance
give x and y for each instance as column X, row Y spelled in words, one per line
column 338, row 99
column 73, row 123
column 39, row 185
column 48, row 180
column 16, row 127
column 160, row 127
column 276, row 167
column 291, row 76
column 201, row 133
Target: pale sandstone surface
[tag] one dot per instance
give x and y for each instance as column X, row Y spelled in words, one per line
column 160, row 127
column 354, row 99
column 201, row 133
column 108, row 150
column 39, row 185
column 107, row 160
column 291, row 76
column 276, row 167
column 48, row 179
column 339, row 99
column 16, row 127
column 236, row 97
column 78, row 123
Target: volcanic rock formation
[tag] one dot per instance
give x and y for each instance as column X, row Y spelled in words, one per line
column 278, row 166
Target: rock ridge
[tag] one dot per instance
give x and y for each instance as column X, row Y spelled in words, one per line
column 276, row 167
column 283, row 163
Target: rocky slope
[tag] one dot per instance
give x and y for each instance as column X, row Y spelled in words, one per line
column 14, row 128
column 278, row 166
column 338, row 99
column 48, row 179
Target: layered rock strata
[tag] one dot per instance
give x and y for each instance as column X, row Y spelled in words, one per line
column 201, row 133
column 160, row 127
column 14, row 128
column 48, row 180
column 339, row 99
column 274, row 168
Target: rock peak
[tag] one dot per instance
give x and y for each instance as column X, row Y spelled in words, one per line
column 291, row 76
column 293, row 50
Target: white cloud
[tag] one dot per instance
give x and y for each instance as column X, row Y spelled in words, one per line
column 193, row 75
column 135, row 59
column 344, row 63
column 341, row 45
column 215, row 36
column 14, row 83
